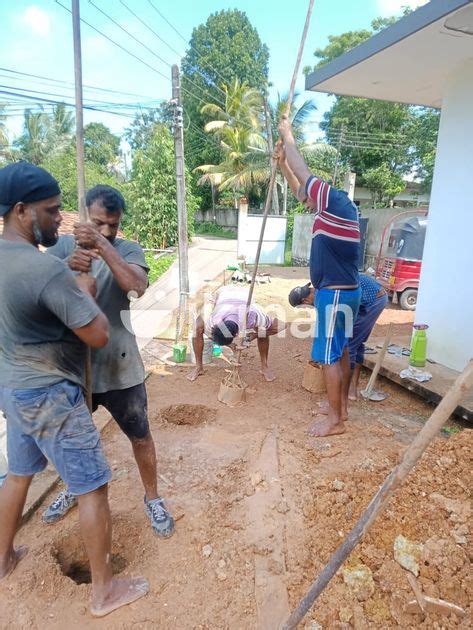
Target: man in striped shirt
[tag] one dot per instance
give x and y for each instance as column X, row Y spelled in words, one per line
column 334, row 274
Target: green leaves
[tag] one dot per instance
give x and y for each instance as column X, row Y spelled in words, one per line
column 152, row 217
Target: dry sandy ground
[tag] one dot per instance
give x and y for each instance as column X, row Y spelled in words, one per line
column 260, row 506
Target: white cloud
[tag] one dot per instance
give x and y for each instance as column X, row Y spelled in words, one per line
column 394, row 7
column 37, row 20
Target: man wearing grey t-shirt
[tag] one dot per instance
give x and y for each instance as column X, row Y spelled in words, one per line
column 120, row 270
column 47, row 316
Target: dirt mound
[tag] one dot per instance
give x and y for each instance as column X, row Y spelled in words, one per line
column 432, row 510
column 191, row 415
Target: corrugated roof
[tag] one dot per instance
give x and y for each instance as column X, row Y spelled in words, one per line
column 67, row 224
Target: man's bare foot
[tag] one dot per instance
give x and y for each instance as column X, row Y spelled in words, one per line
column 195, row 373
column 123, row 591
column 353, row 395
column 323, row 408
column 268, row 374
column 324, row 427
column 17, row 555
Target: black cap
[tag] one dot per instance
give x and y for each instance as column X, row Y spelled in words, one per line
column 298, row 294
column 22, row 181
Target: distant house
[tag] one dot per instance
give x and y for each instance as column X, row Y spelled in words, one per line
column 411, row 196
column 67, row 225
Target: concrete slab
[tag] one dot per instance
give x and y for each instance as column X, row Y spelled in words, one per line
column 434, row 390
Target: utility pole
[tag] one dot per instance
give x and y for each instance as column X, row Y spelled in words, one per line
column 269, row 133
column 83, row 215
column 181, row 199
column 339, row 146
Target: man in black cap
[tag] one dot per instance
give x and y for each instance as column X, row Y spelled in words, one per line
column 47, row 316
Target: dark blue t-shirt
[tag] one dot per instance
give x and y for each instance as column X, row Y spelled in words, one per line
column 335, row 248
column 369, row 289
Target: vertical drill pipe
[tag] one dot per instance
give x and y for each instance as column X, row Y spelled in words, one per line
column 83, row 214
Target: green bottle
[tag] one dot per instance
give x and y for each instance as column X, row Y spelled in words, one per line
column 419, row 346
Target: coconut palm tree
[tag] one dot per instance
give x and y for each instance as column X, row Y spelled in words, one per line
column 237, row 126
column 45, row 134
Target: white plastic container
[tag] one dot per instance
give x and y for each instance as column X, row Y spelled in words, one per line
column 207, row 353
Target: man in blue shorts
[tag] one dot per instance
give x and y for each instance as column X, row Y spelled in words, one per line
column 47, row 316
column 373, row 301
column 334, row 273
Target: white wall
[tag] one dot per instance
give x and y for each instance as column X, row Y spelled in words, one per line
column 446, row 288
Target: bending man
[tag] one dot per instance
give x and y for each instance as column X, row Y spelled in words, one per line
column 333, row 265
column 226, row 321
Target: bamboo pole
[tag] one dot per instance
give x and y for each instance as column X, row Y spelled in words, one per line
column 379, row 502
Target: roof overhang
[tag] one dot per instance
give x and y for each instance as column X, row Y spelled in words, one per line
column 408, row 62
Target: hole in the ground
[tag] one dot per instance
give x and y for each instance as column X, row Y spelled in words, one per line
column 188, row 414
column 71, row 558
column 79, row 570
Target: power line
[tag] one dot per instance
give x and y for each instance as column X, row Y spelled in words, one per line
column 150, row 29
column 130, row 34
column 186, row 42
column 90, row 100
column 205, row 92
column 47, row 100
column 89, row 87
column 116, row 44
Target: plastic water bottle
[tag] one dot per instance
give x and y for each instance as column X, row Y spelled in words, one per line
column 3, row 468
column 217, row 350
column 419, row 346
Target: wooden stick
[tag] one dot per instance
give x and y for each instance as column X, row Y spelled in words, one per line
column 417, row 591
column 274, row 165
column 379, row 502
column 374, row 374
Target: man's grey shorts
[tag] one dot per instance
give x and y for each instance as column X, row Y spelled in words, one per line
column 54, row 423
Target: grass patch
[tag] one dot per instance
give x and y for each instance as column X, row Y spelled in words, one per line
column 158, row 266
column 207, row 228
column 288, row 253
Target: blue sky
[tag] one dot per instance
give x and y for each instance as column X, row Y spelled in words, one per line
column 37, row 39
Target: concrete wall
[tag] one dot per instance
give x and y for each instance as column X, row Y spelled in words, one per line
column 224, row 217
column 446, row 288
column 377, row 219
column 302, row 236
column 302, row 239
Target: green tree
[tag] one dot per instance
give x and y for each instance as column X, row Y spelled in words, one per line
column 238, row 127
column 152, row 218
column 138, row 134
column 44, row 134
column 370, row 133
column 222, row 49
column 63, row 166
column 101, row 146
column 384, row 184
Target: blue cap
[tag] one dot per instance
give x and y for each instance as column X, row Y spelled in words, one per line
column 22, row 181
